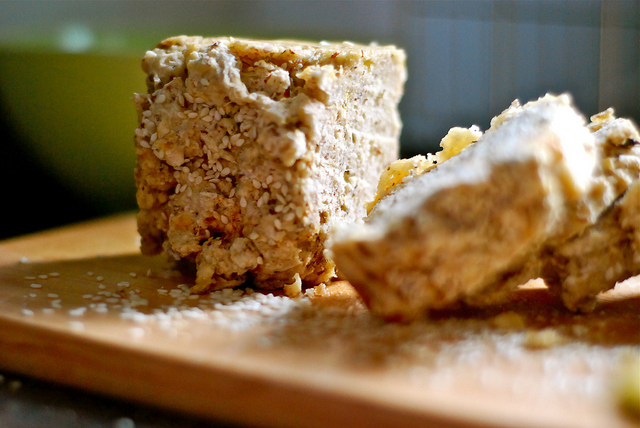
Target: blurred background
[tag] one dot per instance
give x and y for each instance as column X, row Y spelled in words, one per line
column 68, row 70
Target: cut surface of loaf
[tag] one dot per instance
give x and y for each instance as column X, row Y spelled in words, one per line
column 250, row 152
column 449, row 233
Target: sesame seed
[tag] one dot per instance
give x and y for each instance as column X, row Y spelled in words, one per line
column 35, row 285
column 243, row 202
column 27, row 312
column 78, row 311
column 224, row 219
column 161, row 98
column 76, row 325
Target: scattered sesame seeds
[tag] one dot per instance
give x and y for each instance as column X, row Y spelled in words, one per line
column 78, row 311
column 76, row 325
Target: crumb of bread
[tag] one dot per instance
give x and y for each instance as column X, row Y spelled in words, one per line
column 509, row 321
column 295, row 288
column 402, row 170
column 543, row 339
column 626, row 385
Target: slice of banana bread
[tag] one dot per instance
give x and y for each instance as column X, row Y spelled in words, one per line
column 250, row 152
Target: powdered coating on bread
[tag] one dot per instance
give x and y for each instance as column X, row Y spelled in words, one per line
column 249, row 152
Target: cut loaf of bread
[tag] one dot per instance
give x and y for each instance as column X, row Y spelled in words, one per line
column 250, row 152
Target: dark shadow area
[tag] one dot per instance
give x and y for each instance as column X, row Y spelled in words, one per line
column 30, row 403
column 33, row 198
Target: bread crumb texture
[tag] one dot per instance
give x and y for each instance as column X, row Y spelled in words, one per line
column 251, row 152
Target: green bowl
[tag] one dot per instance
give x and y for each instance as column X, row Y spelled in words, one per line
column 68, row 95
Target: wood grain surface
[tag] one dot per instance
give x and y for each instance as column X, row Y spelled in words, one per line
column 80, row 306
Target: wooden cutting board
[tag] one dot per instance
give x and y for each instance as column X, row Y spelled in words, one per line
column 82, row 307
